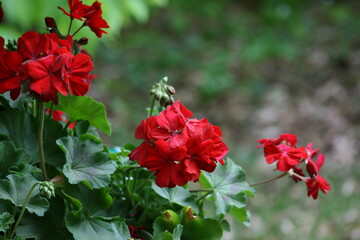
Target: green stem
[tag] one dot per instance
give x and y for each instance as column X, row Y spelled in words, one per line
column 204, row 196
column 152, row 106
column 51, row 110
column 34, row 108
column 144, row 182
column 200, row 190
column 23, row 210
column 269, row 180
column 41, row 113
column 79, row 29
column 71, row 21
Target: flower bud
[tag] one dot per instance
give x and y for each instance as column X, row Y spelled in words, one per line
column 47, row 189
column 83, row 41
column 170, row 89
column 50, row 22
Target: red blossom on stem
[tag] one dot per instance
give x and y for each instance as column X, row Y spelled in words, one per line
column 288, row 157
column 177, row 148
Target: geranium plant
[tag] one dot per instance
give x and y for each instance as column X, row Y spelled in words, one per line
column 59, row 181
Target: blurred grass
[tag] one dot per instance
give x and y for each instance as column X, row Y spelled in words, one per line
column 256, row 69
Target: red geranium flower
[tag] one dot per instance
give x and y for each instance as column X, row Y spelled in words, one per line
column 164, row 161
column 76, row 9
column 286, row 156
column 46, row 79
column 10, row 73
column 315, row 184
column 76, row 74
column 171, row 128
column 143, row 132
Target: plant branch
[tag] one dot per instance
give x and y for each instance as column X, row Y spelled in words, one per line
column 79, row 29
column 269, row 180
column 152, row 106
column 41, row 113
column 204, row 196
column 71, row 21
column 23, row 210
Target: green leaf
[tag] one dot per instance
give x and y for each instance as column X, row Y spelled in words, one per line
column 177, row 195
column 88, row 228
column 91, row 201
column 202, row 229
column 20, row 128
column 25, row 169
column 165, row 235
column 241, row 214
column 85, row 161
column 50, row 226
column 229, row 185
column 5, row 220
column 85, row 108
column 20, row 102
column 16, row 188
column 10, row 156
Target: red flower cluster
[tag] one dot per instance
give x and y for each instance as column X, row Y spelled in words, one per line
column 91, row 15
column 46, row 65
column 177, row 147
column 60, row 116
column 283, row 150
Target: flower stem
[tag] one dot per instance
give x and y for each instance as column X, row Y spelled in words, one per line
column 78, row 29
column 51, row 110
column 71, row 21
column 269, row 180
column 41, row 113
column 23, row 210
column 204, row 196
column 152, row 106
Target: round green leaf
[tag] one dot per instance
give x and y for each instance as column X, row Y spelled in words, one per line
column 16, row 188
column 85, row 161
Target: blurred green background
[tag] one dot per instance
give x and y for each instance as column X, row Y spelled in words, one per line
column 256, row 69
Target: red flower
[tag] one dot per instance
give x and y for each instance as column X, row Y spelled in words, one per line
column 60, row 116
column 143, row 132
column 286, row 156
column 76, row 9
column 164, row 161
column 315, row 184
column 46, row 79
column 171, row 128
column 91, row 15
column 286, row 138
column 10, row 73
column 76, row 74
column 177, row 147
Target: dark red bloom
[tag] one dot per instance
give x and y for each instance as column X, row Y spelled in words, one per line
column 178, row 148
column 286, row 156
column 76, row 9
column 315, row 184
column 171, row 128
column 143, row 132
column 10, row 73
column 164, row 161
column 46, row 79
column 76, row 74
column 285, row 138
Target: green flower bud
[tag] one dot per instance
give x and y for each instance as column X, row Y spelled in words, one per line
column 47, row 189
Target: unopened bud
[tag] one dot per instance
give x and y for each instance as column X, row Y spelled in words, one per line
column 50, row 22
column 83, row 41
column 47, row 189
column 167, row 215
column 170, row 89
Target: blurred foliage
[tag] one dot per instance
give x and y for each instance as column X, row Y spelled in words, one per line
column 24, row 15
